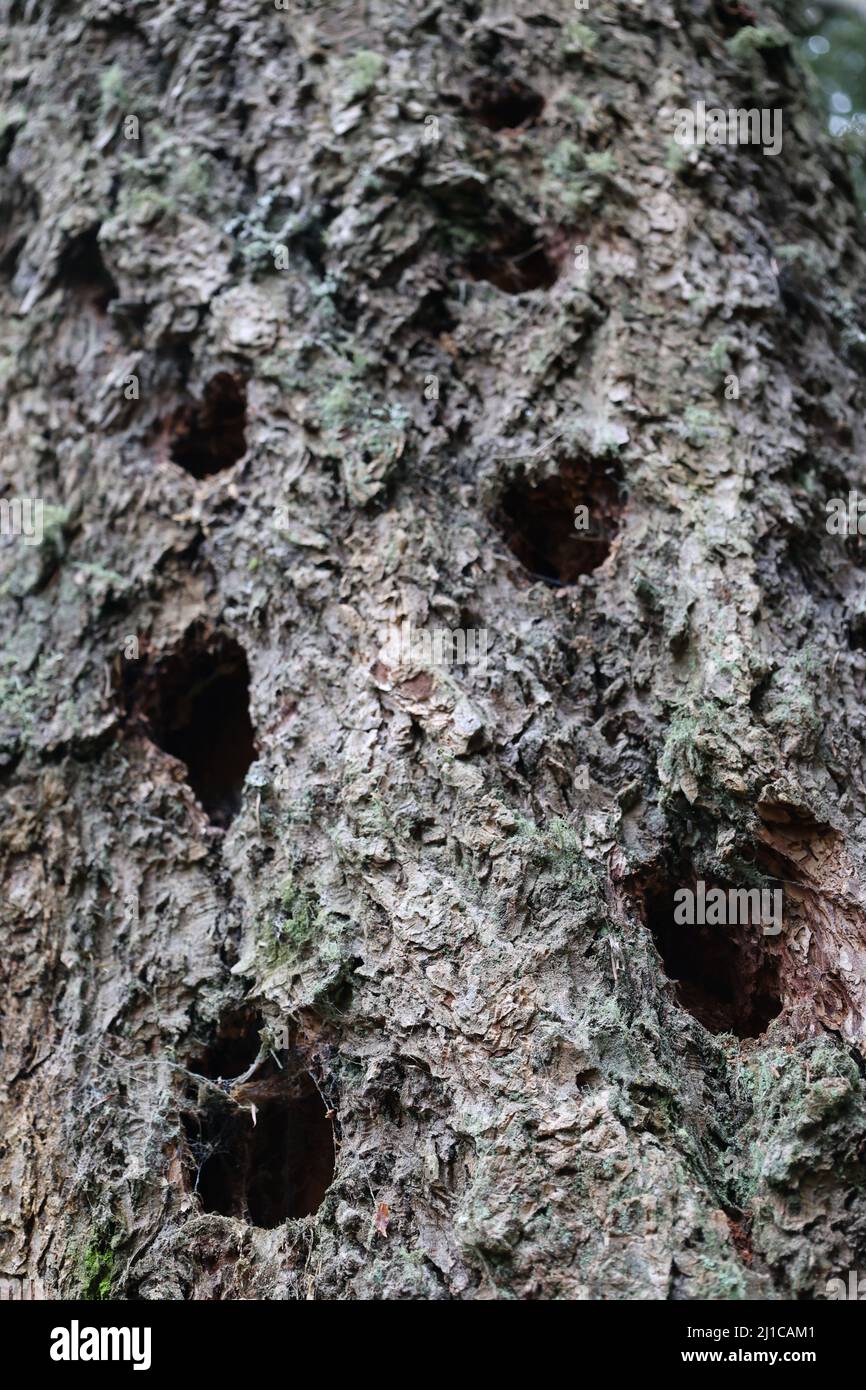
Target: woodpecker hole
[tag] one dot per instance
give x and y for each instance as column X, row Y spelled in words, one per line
column 504, row 105
column 83, row 272
column 195, row 706
column 234, row 1047
column 261, row 1150
column 515, row 258
column 564, row 525
column 727, row 977
column 208, row 436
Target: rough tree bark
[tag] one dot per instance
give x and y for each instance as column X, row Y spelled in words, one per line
column 322, row 319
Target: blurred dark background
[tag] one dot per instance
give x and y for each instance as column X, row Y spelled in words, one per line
column 833, row 43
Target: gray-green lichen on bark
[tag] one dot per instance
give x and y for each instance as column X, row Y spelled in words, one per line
column 418, row 883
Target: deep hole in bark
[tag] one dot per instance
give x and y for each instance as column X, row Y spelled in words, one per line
column 264, row 1150
column 539, row 521
column 234, row 1048
column 856, row 628
column 504, row 105
column 515, row 258
column 433, row 317
column 195, row 704
column 83, row 272
column 727, row 977
column 276, row 1169
column 209, row 435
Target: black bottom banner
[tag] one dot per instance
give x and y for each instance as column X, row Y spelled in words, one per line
column 198, row 1340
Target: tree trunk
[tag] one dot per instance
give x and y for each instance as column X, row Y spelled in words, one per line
column 421, row 581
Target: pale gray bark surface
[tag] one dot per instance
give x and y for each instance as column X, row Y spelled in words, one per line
column 417, row 886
